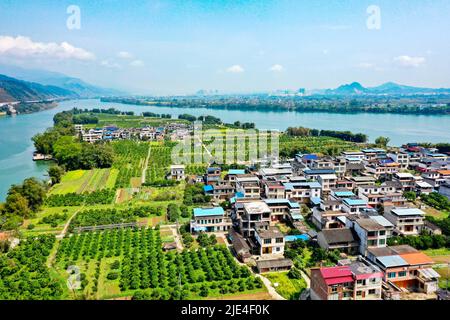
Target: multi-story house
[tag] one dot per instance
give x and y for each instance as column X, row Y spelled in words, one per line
column 213, row 176
column 247, row 214
column 400, row 157
column 210, row 220
column 302, row 192
column 270, row 240
column 248, row 186
column 407, row 180
column 385, row 167
column 353, row 156
column 407, row 221
column 374, row 154
column 353, row 205
column 371, row 234
column 406, row 267
column 283, row 209
column 355, row 280
column 273, row 189
column 327, row 182
column 377, row 196
column 177, row 172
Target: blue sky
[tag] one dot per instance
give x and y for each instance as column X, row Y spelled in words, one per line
column 175, row 47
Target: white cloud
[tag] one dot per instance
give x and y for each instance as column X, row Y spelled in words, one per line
column 137, row 63
column 235, row 69
column 125, row 55
column 276, row 68
column 111, row 64
column 24, row 47
column 412, row 62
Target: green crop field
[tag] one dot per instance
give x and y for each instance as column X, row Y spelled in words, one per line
column 81, row 181
column 118, row 263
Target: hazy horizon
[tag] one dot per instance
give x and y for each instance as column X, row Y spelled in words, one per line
column 158, row 47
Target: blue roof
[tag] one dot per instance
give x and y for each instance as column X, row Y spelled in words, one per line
column 303, row 237
column 310, row 157
column 208, row 188
column 316, row 200
column 297, row 216
column 198, row 229
column 319, row 171
column 240, row 195
column 355, row 202
column 201, row 212
column 392, row 261
column 344, row 194
column 236, row 171
column 386, row 161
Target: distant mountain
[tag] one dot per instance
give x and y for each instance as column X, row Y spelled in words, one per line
column 348, row 89
column 12, row 89
column 83, row 89
column 389, row 88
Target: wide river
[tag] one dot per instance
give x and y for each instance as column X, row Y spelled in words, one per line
column 16, row 147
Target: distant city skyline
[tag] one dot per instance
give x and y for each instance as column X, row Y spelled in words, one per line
column 180, row 47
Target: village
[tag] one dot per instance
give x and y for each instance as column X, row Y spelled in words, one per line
column 338, row 203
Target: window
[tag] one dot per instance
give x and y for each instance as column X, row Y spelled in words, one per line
column 279, row 240
column 267, row 241
column 391, row 275
column 334, row 289
column 382, row 241
column 358, row 293
column 372, row 291
column 402, row 274
column 382, row 232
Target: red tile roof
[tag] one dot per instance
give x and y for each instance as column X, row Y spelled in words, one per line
column 332, row 281
column 338, row 271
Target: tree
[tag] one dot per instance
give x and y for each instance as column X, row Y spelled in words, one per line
column 17, row 205
column 410, row 196
column 67, row 151
column 382, row 141
column 56, row 172
column 34, row 191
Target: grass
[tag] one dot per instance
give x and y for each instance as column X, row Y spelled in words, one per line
column 439, row 255
column 444, row 272
column 286, row 287
column 46, row 228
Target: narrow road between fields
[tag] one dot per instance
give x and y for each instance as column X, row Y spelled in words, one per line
column 144, row 170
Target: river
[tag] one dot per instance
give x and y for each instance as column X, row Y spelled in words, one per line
column 16, row 147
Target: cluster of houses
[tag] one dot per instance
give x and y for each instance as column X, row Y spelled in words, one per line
column 353, row 203
column 174, row 131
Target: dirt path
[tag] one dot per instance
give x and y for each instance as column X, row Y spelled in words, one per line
column 273, row 293
column 176, row 235
column 66, row 226
column 144, row 170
